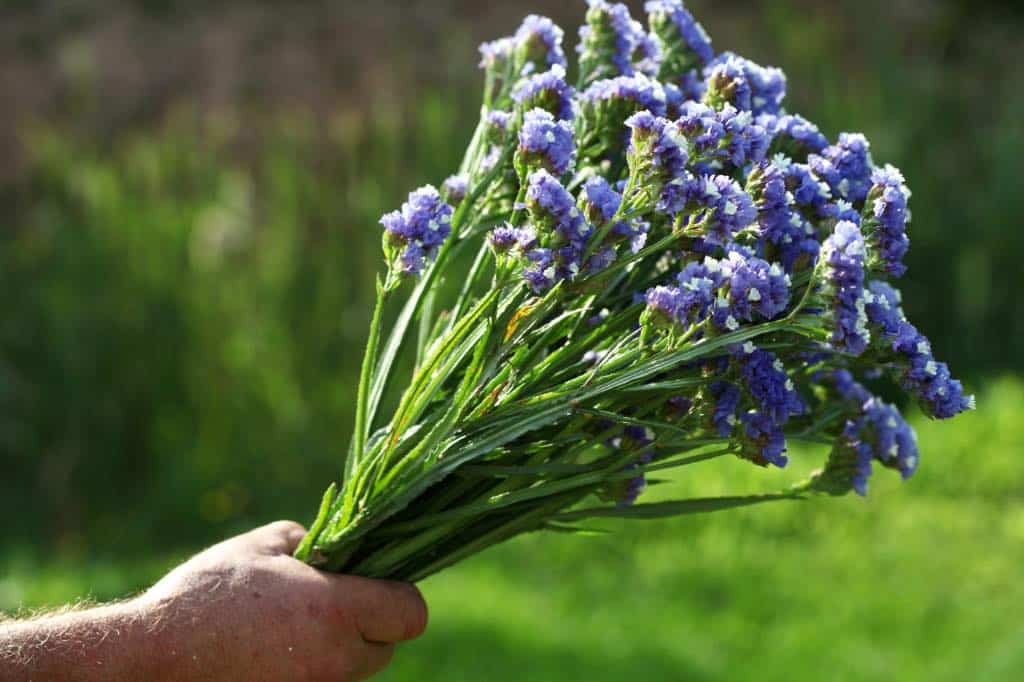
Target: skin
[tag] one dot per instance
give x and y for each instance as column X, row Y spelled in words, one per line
column 241, row 610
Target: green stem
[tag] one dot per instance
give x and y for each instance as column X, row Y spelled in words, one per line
column 365, row 376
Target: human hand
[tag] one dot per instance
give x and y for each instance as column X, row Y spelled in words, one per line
column 246, row 610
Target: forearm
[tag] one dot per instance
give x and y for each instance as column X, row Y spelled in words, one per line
column 115, row 642
column 244, row 610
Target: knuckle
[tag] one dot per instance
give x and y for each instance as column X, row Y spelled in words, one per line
column 286, row 527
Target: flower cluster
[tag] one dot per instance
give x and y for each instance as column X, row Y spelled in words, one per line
column 671, row 267
column 846, row 167
column 560, row 233
column 725, row 138
column 712, row 207
column 794, row 135
column 886, row 217
column 601, row 204
column 920, row 373
column 745, row 84
column 774, row 401
column 548, row 91
column 842, row 257
column 784, row 235
column 413, row 235
column 685, row 43
column 658, row 151
column 739, row 288
column 546, row 143
column 612, row 43
column 873, row 431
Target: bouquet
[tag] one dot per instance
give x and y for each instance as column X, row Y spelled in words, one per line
column 669, row 268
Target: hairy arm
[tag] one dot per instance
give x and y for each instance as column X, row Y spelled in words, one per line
column 242, row 610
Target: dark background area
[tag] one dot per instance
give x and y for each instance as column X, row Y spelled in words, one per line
column 190, row 193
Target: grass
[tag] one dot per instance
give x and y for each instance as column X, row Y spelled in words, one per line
column 919, row 581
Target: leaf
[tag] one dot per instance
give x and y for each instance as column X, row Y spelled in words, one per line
column 661, row 510
column 304, row 549
column 573, row 530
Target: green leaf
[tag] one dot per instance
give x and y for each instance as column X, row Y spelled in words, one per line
column 661, row 510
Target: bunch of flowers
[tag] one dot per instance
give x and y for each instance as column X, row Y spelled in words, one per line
column 669, row 268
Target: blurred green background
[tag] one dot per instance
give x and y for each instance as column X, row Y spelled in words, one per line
column 189, row 197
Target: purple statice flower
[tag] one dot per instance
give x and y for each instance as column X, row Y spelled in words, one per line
column 538, row 44
column 842, row 209
column 775, row 400
column 726, row 396
column 691, row 300
column 765, row 379
column 623, row 96
column 756, row 289
column 746, row 141
column 793, row 134
column 701, row 125
column 634, row 232
column 885, row 220
column 843, row 257
column 601, row 200
column 765, row 440
column 846, row 166
column 648, row 54
column 552, row 208
column 746, row 85
column 927, row 379
column 454, row 188
column 879, row 433
column 600, row 203
column 713, row 207
column 848, row 388
column 665, row 302
column 674, row 100
column 562, row 233
column 498, row 125
column 658, row 151
column 543, row 273
column 548, row 91
column 413, row 234
column 810, row 193
column 783, row 233
column 505, row 237
column 685, row 43
column 726, row 137
column 882, row 304
column 601, row 259
column 496, row 53
column 609, row 41
column 546, row 143
column 692, row 85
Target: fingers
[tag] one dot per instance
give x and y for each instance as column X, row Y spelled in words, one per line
column 384, row 611
column 280, row 537
column 377, row 657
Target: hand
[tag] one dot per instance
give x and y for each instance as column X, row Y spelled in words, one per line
column 241, row 610
column 246, row 610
